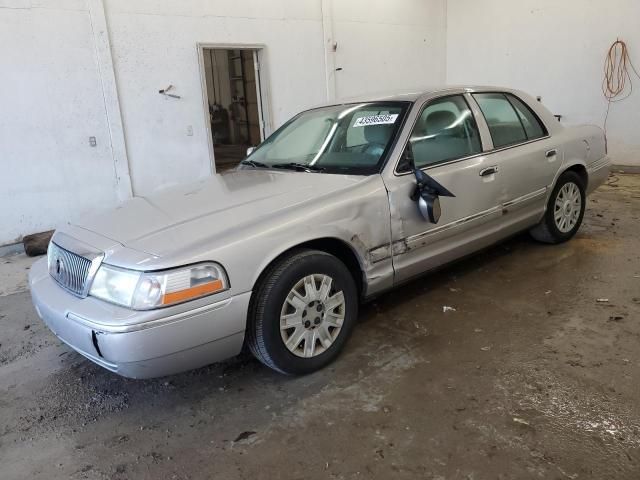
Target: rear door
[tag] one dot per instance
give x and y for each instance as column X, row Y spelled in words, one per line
column 521, row 144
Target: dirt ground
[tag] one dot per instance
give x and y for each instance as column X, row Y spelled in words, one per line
column 535, row 374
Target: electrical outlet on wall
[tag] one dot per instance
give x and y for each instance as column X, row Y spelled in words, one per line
column 190, row 130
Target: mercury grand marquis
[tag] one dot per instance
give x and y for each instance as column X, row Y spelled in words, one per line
column 341, row 203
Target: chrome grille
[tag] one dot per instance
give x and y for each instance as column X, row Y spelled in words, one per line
column 69, row 269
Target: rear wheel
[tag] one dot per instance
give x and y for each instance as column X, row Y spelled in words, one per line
column 302, row 312
column 565, row 210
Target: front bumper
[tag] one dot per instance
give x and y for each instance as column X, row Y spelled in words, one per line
column 141, row 344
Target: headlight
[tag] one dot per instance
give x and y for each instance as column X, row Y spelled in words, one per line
column 148, row 290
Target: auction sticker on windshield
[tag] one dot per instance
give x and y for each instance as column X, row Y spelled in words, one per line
column 375, row 120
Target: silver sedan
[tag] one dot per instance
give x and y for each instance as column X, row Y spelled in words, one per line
column 340, row 204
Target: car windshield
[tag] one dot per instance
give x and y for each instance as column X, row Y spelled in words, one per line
column 353, row 138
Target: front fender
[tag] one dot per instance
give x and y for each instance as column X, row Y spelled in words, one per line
column 358, row 217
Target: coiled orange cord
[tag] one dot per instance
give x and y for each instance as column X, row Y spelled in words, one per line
column 616, row 72
column 616, row 75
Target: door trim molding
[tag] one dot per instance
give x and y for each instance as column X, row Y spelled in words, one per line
column 476, row 216
column 525, row 198
column 418, row 237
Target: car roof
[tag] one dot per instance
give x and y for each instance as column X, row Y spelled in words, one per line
column 415, row 94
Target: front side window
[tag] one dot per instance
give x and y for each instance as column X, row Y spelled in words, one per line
column 445, row 130
column 353, row 138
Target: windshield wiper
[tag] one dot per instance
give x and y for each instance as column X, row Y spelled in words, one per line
column 253, row 163
column 300, row 167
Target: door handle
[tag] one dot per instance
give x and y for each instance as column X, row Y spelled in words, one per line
column 485, row 172
column 551, row 153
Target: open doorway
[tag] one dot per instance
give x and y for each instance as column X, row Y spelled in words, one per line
column 234, row 103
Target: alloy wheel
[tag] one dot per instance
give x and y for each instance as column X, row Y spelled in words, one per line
column 567, row 207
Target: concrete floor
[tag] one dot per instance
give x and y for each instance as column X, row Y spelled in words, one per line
column 530, row 377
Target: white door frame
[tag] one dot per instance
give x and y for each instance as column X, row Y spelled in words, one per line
column 262, row 86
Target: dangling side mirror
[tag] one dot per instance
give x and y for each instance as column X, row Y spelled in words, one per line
column 427, row 192
column 429, row 206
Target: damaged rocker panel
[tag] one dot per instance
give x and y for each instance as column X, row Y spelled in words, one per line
column 378, row 254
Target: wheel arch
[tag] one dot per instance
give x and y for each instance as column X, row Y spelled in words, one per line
column 582, row 172
column 550, row 234
column 576, row 166
column 337, row 247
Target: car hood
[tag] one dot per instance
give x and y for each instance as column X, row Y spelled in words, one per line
column 161, row 222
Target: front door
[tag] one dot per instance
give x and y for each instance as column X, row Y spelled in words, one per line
column 446, row 144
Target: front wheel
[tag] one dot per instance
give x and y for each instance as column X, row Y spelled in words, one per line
column 302, row 312
column 565, row 210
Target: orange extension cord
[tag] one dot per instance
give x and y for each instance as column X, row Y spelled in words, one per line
column 616, row 75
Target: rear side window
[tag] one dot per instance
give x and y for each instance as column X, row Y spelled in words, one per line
column 532, row 125
column 503, row 121
column 509, row 119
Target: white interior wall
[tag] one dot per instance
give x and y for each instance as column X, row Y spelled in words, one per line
column 384, row 46
column 51, row 102
column 57, row 87
column 154, row 45
column 552, row 49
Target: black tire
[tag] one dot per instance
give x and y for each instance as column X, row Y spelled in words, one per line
column 547, row 230
column 263, row 335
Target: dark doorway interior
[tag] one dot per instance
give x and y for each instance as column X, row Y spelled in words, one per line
column 234, row 109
